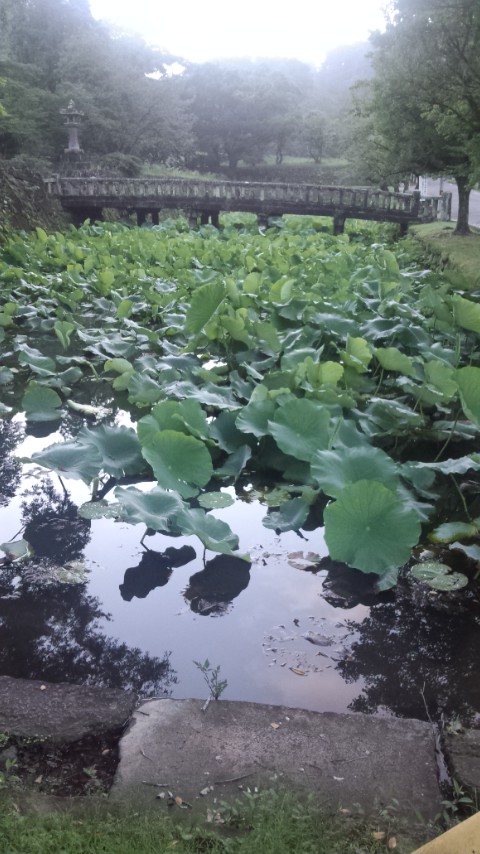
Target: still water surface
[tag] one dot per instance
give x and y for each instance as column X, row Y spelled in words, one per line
column 315, row 637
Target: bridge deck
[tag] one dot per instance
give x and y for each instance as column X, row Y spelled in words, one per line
column 209, row 198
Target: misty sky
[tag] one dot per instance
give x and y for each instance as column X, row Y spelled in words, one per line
column 200, row 30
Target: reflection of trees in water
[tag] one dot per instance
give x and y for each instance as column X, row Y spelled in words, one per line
column 52, row 525
column 54, row 633
column 11, row 434
column 211, row 591
column 419, row 643
column 154, row 570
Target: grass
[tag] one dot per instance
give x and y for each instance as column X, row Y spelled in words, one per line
column 270, row 822
column 451, row 252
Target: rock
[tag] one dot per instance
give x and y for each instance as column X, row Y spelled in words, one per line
column 60, row 712
column 463, row 757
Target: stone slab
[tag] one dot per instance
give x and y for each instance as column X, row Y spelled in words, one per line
column 60, row 712
column 463, row 757
column 345, row 759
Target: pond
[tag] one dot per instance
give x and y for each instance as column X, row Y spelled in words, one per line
column 253, row 446
column 288, row 627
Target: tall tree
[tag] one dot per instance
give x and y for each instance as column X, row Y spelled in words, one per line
column 425, row 96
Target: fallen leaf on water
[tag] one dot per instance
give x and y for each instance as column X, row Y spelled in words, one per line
column 275, row 726
column 161, row 796
column 379, row 834
column 392, row 843
column 43, row 687
column 298, row 671
column 339, row 779
column 345, row 812
column 39, row 779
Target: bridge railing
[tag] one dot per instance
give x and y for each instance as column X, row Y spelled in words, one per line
column 155, row 189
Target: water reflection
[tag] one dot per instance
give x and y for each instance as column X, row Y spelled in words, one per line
column 11, row 434
column 52, row 525
column 54, row 633
column 416, row 652
column 212, row 591
column 154, row 570
column 346, row 588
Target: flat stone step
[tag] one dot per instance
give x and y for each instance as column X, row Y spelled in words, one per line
column 345, row 759
column 60, row 712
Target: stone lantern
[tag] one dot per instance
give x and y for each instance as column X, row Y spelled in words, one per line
column 73, row 118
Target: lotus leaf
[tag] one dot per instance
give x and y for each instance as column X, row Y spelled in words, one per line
column 468, row 380
column 213, row 533
column 333, row 470
column 439, row 576
column 291, row 516
column 369, row 527
column 41, row 403
column 178, row 461
column 157, row 509
column 300, row 428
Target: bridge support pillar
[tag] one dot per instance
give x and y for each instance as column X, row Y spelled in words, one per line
column 155, row 218
column 339, row 223
column 403, row 228
column 204, row 217
column 262, row 219
column 141, row 217
column 214, row 218
column 79, row 215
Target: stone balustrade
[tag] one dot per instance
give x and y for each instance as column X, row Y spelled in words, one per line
column 208, row 198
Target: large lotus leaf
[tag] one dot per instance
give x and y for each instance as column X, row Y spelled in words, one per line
column 300, row 428
column 390, row 418
column 369, row 527
column 254, row 418
column 70, row 459
column 41, row 403
column 468, row 380
column 37, row 362
column 357, row 355
column 453, row 466
column 226, row 433
column 208, row 394
column 156, row 509
column 438, row 576
column 235, row 463
column 142, row 389
column 213, row 533
column 178, row 461
column 290, row 517
column 392, row 359
column 204, row 305
column 186, row 416
column 466, row 313
column 441, row 376
column 333, row 470
column 118, row 447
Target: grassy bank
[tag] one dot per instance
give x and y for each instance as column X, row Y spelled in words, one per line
column 449, row 251
column 274, row 823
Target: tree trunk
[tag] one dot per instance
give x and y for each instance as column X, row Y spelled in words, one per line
column 463, row 203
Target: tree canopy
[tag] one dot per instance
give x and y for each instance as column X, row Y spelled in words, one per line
column 421, row 113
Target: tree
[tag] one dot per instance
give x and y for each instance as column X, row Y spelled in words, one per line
column 313, row 133
column 425, row 95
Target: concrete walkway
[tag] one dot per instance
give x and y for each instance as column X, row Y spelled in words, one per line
column 172, row 746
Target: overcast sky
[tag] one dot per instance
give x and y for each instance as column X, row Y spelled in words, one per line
column 200, row 30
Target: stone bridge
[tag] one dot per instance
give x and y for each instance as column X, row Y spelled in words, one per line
column 204, row 200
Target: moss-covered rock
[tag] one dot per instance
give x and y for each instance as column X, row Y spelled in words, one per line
column 24, row 202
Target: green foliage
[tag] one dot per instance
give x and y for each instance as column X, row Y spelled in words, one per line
column 211, row 676
column 333, row 365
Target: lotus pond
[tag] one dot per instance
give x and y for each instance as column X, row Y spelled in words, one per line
column 256, row 446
